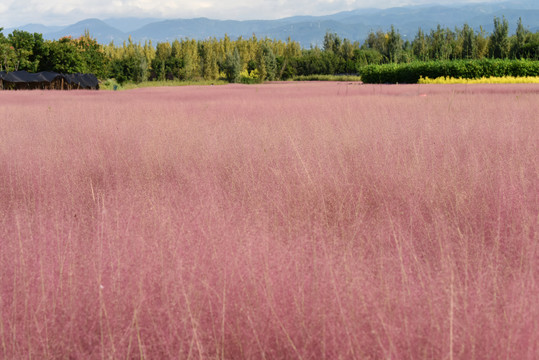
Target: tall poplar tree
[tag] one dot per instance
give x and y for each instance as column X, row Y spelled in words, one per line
column 499, row 40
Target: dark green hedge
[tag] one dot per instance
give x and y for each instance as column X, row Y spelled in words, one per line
column 468, row 69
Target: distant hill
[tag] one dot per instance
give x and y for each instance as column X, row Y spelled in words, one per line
column 35, row 28
column 98, row 29
column 307, row 30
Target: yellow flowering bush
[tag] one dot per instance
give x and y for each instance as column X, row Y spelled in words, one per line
column 250, row 77
column 483, row 80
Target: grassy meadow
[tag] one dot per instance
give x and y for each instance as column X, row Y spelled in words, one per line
column 315, row 220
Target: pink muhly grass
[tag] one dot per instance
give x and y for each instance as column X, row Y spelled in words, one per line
column 303, row 220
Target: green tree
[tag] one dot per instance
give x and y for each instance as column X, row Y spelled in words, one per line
column 441, row 44
column 364, row 57
column 29, row 49
column 378, row 42
column 233, row 66
column 228, row 46
column 189, row 56
column 394, row 45
column 406, row 55
column 332, row 42
column 64, row 57
column 499, row 40
column 266, row 62
column 286, row 63
column 347, row 50
column 519, row 41
column 176, row 50
column 131, row 62
column 208, row 58
column 481, row 42
column 159, row 63
column 39, row 52
column 93, row 56
column 129, row 68
column 468, row 47
column 420, row 46
column 531, row 46
column 7, row 54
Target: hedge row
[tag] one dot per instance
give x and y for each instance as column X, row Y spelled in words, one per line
column 466, row 69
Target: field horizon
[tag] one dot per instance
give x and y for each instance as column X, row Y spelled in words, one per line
column 325, row 220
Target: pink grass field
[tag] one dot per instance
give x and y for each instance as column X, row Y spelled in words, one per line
column 277, row 221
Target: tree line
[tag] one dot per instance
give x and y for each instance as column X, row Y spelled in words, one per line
column 255, row 60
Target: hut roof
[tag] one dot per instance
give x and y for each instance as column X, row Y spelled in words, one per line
column 85, row 81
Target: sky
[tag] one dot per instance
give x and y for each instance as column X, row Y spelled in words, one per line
column 64, row 12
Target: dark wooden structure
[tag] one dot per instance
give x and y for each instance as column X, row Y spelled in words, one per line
column 46, row 80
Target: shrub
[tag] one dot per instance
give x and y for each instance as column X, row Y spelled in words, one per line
column 483, row 80
column 466, row 69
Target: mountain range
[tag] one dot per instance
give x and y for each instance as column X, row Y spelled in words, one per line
column 307, row 30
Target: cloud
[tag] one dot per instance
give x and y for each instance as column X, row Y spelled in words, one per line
column 4, row 7
column 62, row 12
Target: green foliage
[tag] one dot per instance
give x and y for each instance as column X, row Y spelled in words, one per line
column 23, row 44
column 457, row 53
column 332, row 42
column 530, row 50
column 232, row 66
column 441, row 44
column 166, row 69
column 250, row 77
column 208, row 60
column 132, row 63
column 7, row 55
column 64, row 57
column 188, row 52
column 364, row 57
column 159, row 63
column 468, row 42
column 327, row 78
column 266, row 62
column 319, row 62
column 499, row 40
column 131, row 68
column 467, row 69
column 112, row 84
column 394, row 45
column 25, row 50
column 93, row 57
column 378, row 42
column 419, row 46
column 287, row 68
column 518, row 42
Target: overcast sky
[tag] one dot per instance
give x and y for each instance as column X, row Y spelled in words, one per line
column 64, row 12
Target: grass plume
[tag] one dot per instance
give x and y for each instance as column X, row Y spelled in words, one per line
column 297, row 220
